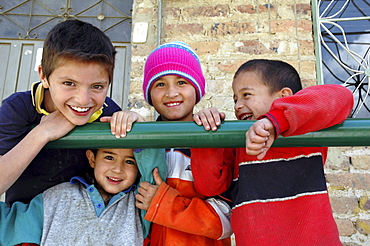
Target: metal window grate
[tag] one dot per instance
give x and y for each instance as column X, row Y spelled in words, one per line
column 342, row 39
column 32, row 19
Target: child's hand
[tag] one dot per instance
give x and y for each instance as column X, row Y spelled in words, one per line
column 55, row 125
column 147, row 191
column 121, row 122
column 260, row 137
column 210, row 118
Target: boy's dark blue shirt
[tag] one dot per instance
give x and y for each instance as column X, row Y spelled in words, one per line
column 50, row 166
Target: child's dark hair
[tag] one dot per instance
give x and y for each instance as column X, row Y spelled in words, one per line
column 275, row 74
column 77, row 40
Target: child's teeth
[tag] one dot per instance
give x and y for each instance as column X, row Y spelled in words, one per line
column 115, row 179
column 80, row 109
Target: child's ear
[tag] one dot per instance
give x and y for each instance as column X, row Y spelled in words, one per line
column 43, row 79
column 286, row 91
column 91, row 157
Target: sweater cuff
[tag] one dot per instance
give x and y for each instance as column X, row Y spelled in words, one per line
column 277, row 117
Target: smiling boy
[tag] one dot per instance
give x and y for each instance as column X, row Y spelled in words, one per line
column 97, row 210
column 279, row 194
column 75, row 73
column 76, row 89
column 115, row 170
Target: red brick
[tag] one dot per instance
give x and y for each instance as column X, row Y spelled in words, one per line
column 251, row 9
column 174, row 12
column 254, row 47
column 305, row 26
column 230, row 28
column 303, row 9
column 278, row 26
column 282, row 26
column 207, row 11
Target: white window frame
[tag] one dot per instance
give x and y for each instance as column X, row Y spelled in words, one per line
column 320, row 19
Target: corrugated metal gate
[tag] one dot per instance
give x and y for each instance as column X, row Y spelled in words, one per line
column 24, row 25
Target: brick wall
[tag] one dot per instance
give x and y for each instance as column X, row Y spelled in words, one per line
column 348, row 177
column 225, row 34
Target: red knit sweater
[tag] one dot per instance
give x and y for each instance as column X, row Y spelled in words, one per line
column 282, row 199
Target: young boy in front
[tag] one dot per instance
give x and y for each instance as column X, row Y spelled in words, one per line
column 173, row 84
column 95, row 210
column 75, row 73
column 280, row 195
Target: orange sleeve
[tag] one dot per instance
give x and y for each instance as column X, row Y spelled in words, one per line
column 193, row 216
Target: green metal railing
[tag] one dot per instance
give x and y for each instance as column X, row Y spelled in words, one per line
column 353, row 132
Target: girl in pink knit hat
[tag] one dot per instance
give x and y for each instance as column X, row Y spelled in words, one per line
column 173, row 85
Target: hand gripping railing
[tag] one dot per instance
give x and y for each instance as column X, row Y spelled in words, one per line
column 352, row 132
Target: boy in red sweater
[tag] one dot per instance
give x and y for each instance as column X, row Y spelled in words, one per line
column 279, row 194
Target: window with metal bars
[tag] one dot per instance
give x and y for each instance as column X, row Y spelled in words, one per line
column 342, row 39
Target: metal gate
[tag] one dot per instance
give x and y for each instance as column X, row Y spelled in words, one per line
column 25, row 23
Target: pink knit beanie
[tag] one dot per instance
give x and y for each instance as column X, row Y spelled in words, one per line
column 174, row 58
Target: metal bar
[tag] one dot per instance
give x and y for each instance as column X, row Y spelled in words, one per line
column 345, row 19
column 231, row 134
